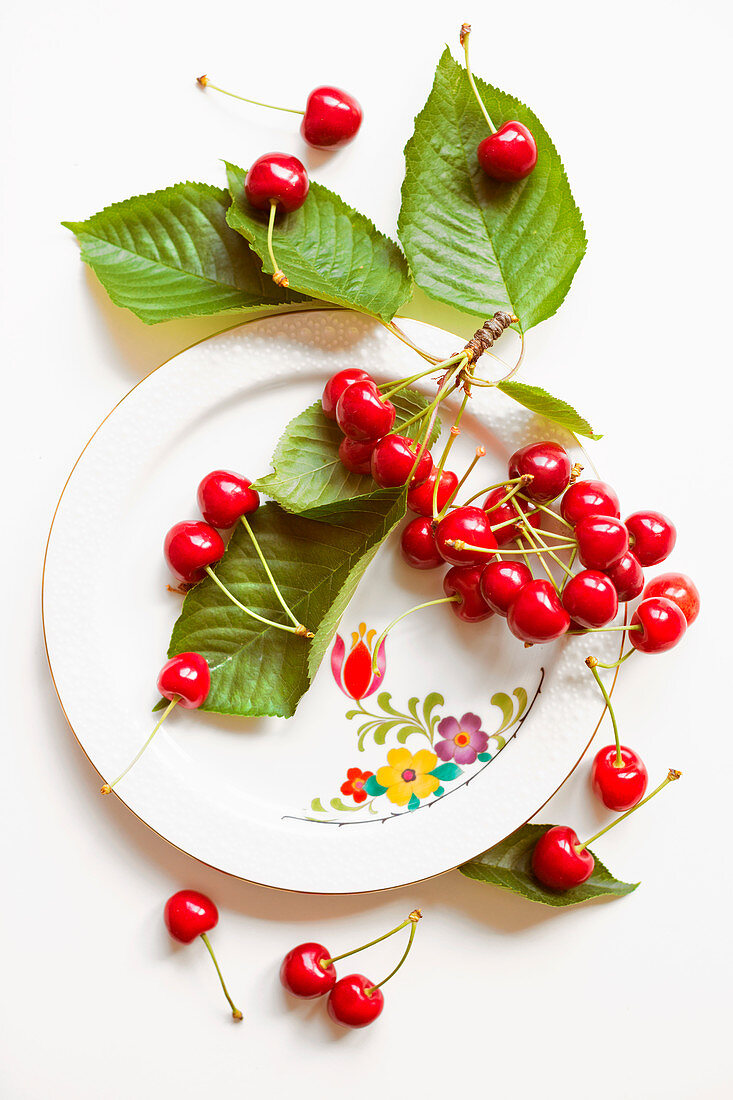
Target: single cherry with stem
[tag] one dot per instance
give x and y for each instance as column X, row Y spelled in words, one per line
column 602, row 541
column 501, row 583
column 589, row 498
column 590, row 599
column 652, row 536
column 189, row 914
column 223, row 496
column 420, row 497
column 549, row 466
column 397, row 460
column 618, row 775
column 536, row 615
column 627, row 577
column 657, row 625
column 680, row 589
column 276, row 181
column 190, row 548
column 468, row 526
column 336, row 385
column 463, row 584
column 363, row 414
column 357, row 456
column 418, row 544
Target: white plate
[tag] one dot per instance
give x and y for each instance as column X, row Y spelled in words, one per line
column 253, row 797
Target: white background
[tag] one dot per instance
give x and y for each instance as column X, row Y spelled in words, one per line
column 628, row 998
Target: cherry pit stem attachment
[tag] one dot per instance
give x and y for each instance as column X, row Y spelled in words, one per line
column 413, row 918
column 671, row 776
column 204, row 82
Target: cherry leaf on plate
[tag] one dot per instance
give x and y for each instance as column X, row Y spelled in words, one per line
column 475, row 243
column 171, row 254
column 327, row 250
column 507, row 864
column 544, row 404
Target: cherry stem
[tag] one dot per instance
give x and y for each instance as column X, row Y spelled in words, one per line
column 235, row 1011
column 465, row 34
column 441, row 391
column 569, row 575
column 528, row 535
column 279, row 277
column 592, row 663
column 518, row 481
column 204, row 82
column 107, row 788
column 387, row 391
column 673, row 774
column 413, row 918
column 455, row 431
column 373, row 988
column 544, row 508
column 459, row 544
column 300, row 630
column 385, row 632
column 396, row 331
column 266, row 567
column 604, row 630
column 480, row 453
column 624, row 657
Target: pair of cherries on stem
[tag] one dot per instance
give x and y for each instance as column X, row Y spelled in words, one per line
column 308, row 971
column 189, row 914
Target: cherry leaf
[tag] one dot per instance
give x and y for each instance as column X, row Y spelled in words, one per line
column 544, row 404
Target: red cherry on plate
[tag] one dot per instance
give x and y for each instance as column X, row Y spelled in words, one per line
column 652, row 536
column 354, row 1001
column 224, row 497
column 550, row 467
column 590, row 599
column 363, row 414
column 602, row 541
column 185, row 677
column 332, row 118
column 279, row 178
column 303, row 974
column 464, row 581
column 501, row 583
column 336, row 385
column 662, row 625
column 589, row 498
column 556, row 861
column 470, row 525
column 536, row 614
column 499, row 513
column 618, row 786
column 680, row 589
column 189, row 547
column 627, row 577
column 188, row 913
column 418, row 544
column 393, row 459
column 420, row 497
column 356, row 456
column 510, row 154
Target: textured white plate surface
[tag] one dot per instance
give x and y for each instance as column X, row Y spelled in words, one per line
column 261, row 798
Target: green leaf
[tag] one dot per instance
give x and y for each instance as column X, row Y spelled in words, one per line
column 327, row 250
column 507, row 864
column 308, row 476
column 473, row 242
column 261, row 670
column 544, row 404
column 414, row 803
column 374, row 788
column 318, row 806
column 171, row 254
column 446, row 772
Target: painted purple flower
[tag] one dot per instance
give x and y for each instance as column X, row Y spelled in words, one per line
column 462, row 741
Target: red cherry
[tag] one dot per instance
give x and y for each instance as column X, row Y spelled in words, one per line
column 363, row 414
column 510, row 154
column 556, row 861
column 189, row 547
column 550, row 467
column 394, row 457
column 185, row 677
column 627, row 576
column 602, row 541
column 224, row 496
column 332, row 118
column 500, row 513
column 652, row 536
column 465, row 581
column 662, row 623
column 303, row 975
column 536, row 614
column 336, row 386
column 356, row 456
column 279, row 177
column 501, row 583
column 188, row 914
column 418, row 544
column 420, row 497
column 470, row 525
column 680, row 589
column 590, row 599
column 589, row 498
column 354, row 1002
column 618, row 787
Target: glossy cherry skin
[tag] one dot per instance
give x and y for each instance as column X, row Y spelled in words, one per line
column 336, row 386
column 302, row 974
column 501, row 583
column 680, row 589
column 332, row 118
column 418, row 544
column 510, row 154
column 224, row 497
column 590, row 599
column 189, row 547
column 185, row 677
column 662, row 623
column 470, row 525
column 627, row 577
column 651, row 536
column 550, row 467
column 619, row 788
column 363, row 414
column 602, row 541
column 356, row 456
column 589, row 498
column 464, row 581
column 556, row 861
column 188, row 914
column 279, row 177
column 499, row 513
column 350, row 1004
column 393, row 459
column 420, row 497
column 536, row 614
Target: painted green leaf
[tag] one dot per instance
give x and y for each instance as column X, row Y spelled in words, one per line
column 505, row 703
column 318, row 806
column 473, row 242
column 544, row 404
column 507, row 864
column 446, row 772
column 327, row 250
column 307, row 473
column 374, row 788
column 260, row 670
column 171, row 254
column 484, row 757
column 414, row 802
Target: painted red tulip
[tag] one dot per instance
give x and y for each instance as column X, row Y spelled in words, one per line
column 354, row 674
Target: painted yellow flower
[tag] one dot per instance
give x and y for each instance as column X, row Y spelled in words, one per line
column 406, row 775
